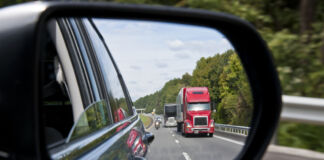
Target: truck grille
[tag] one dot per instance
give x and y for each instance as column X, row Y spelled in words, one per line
column 200, row 121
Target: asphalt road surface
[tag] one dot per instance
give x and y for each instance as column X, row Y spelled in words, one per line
column 169, row 144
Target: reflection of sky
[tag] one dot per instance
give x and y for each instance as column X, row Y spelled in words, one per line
column 149, row 54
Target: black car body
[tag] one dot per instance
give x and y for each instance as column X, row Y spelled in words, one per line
column 84, row 111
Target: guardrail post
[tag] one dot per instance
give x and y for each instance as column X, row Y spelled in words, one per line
column 242, row 130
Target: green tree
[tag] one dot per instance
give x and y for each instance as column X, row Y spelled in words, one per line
column 228, row 86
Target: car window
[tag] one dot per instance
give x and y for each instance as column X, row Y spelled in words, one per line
column 93, row 119
column 60, row 112
column 56, row 110
column 116, row 95
column 96, row 114
column 198, row 106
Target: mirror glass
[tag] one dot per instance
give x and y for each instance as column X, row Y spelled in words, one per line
column 187, row 77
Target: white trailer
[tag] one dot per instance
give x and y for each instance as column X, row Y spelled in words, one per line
column 179, row 102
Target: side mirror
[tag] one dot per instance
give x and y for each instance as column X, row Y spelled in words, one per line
column 251, row 53
column 148, row 137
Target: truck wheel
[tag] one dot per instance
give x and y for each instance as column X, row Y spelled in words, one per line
column 211, row 134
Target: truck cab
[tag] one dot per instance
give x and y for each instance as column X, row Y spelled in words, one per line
column 196, row 111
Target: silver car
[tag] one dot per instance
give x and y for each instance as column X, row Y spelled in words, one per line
column 170, row 122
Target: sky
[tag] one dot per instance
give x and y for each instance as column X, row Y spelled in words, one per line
column 149, row 54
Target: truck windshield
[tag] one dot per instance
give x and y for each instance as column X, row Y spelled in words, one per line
column 198, row 106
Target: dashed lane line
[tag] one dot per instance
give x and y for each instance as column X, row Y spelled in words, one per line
column 186, row 155
column 176, row 141
column 230, row 140
column 223, row 138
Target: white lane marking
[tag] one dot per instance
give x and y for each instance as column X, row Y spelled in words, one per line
column 230, row 140
column 173, row 135
column 186, row 155
column 176, row 141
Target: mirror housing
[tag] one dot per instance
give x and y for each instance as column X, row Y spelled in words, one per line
column 31, row 24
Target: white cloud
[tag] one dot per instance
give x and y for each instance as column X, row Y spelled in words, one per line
column 201, row 47
column 161, row 64
column 135, row 67
column 182, row 55
column 132, row 82
column 175, row 44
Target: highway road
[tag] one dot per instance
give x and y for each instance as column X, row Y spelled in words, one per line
column 169, row 144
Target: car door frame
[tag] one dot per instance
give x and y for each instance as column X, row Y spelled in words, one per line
column 133, row 120
column 75, row 149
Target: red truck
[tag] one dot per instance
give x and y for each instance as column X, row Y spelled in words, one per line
column 194, row 111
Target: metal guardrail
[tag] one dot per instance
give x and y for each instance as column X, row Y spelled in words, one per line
column 303, row 109
column 242, row 130
column 140, row 110
column 295, row 109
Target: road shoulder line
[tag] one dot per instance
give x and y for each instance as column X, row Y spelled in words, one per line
column 186, row 155
column 229, row 140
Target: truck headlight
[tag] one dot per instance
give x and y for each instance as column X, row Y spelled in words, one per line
column 188, row 124
column 211, row 124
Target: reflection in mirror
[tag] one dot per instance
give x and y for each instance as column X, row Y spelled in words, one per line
column 94, row 118
column 193, row 68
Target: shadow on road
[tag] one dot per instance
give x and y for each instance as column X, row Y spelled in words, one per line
column 173, row 129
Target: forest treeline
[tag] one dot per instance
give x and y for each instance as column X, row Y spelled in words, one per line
column 294, row 32
column 227, row 83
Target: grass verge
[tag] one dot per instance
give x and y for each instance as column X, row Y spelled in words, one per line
column 146, row 120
